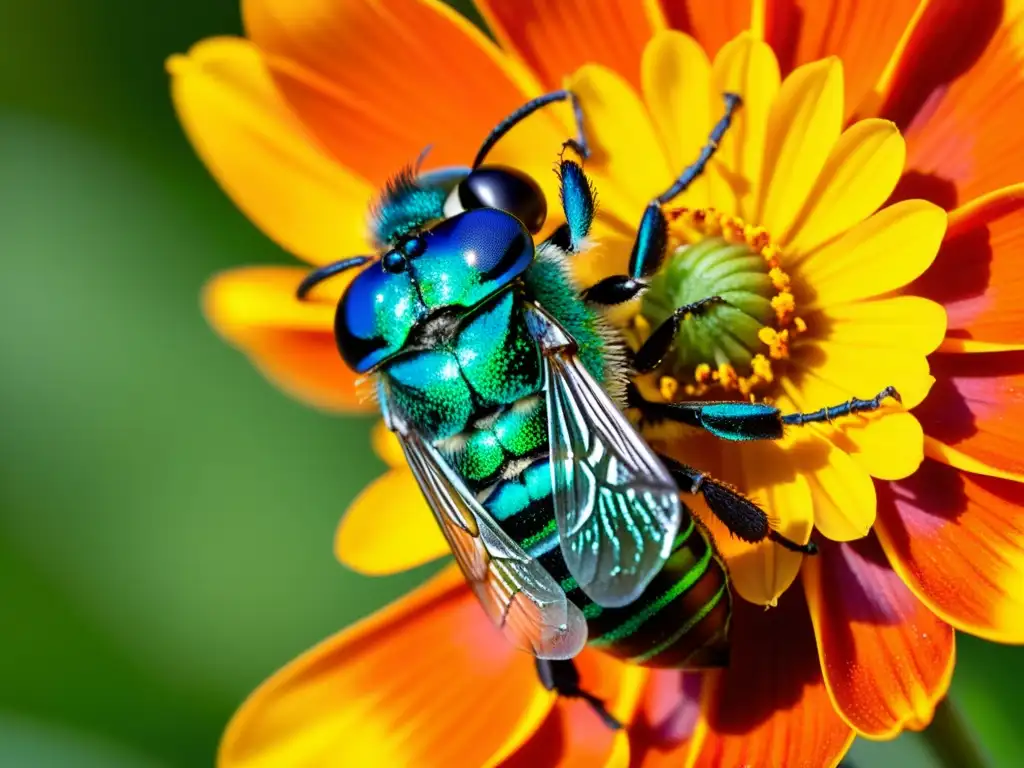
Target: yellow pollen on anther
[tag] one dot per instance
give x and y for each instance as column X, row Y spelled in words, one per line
column 702, row 373
column 762, row 368
column 784, row 305
column 668, row 386
column 780, row 280
column 771, row 255
column 727, row 376
column 776, row 341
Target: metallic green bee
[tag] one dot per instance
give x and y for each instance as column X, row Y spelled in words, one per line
column 506, row 388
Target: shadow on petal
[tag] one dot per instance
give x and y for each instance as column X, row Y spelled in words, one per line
column 976, row 407
column 770, row 707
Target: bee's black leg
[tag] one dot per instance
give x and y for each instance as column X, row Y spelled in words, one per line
column 739, row 420
column 648, row 253
column 741, row 516
column 563, row 678
column 652, row 234
column 653, row 351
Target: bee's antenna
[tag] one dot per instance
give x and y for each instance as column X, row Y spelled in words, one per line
column 528, row 109
column 317, row 276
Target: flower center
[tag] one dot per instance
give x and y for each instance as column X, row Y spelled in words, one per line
column 731, row 347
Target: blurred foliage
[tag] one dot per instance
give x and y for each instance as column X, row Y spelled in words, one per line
column 166, row 517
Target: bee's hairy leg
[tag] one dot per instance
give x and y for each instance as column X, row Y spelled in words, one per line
column 579, row 204
column 744, row 519
column 563, row 678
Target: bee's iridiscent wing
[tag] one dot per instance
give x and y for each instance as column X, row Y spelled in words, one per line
column 616, row 506
column 521, row 598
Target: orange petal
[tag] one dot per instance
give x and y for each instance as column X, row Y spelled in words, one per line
column 389, row 528
column 887, row 659
column 977, row 407
column 770, row 706
column 263, row 157
column 428, row 681
column 290, row 341
column 661, row 733
column 962, row 61
column 957, row 540
column 441, row 83
column 863, row 33
column 978, row 275
column 712, row 28
column 556, row 39
column 574, row 736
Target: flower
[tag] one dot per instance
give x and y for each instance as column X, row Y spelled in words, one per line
column 303, row 121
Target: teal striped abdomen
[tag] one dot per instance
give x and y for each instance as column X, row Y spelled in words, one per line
column 681, row 619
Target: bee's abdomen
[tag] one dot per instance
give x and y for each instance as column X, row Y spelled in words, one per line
column 681, row 619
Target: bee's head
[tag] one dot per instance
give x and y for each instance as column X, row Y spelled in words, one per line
column 476, row 240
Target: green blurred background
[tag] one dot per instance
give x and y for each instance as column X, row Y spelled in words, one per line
column 166, row 517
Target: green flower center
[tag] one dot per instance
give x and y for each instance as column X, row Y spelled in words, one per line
column 730, row 346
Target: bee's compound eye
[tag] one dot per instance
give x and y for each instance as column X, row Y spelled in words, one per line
column 494, row 186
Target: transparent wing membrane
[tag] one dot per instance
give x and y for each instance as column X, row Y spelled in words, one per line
column 518, row 594
column 616, row 505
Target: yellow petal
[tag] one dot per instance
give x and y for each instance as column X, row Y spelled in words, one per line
column 802, row 129
column 859, row 175
column 386, row 446
column 290, row 341
column 887, row 443
column 263, row 157
column 843, row 493
column 878, row 255
column 910, row 323
column 677, row 87
column 627, row 164
column 860, row 373
column 761, row 572
column 426, row 682
column 389, row 528
column 746, row 66
column 264, row 297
